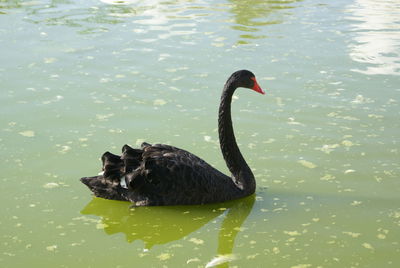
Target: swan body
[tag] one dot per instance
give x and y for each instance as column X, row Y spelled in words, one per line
column 160, row 174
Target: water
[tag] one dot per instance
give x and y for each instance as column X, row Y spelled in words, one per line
column 82, row 77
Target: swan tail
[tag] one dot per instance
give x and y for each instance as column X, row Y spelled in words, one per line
column 135, row 172
column 104, row 188
column 131, row 158
column 118, row 174
column 113, row 167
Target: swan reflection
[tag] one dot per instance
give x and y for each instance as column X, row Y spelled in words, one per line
column 377, row 37
column 161, row 225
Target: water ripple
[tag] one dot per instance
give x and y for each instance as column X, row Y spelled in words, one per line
column 377, row 36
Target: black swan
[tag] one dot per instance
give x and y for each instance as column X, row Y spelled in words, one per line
column 162, row 175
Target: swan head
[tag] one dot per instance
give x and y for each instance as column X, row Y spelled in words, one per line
column 246, row 79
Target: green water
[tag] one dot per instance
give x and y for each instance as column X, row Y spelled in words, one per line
column 78, row 78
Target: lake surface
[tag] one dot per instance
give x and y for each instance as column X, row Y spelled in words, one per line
column 79, row 78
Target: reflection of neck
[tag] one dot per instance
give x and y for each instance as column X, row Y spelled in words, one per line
column 231, row 225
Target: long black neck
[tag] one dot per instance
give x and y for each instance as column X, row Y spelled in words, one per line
column 242, row 175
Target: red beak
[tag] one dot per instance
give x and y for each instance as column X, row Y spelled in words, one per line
column 256, row 87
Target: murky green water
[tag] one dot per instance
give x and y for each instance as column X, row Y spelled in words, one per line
column 82, row 77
